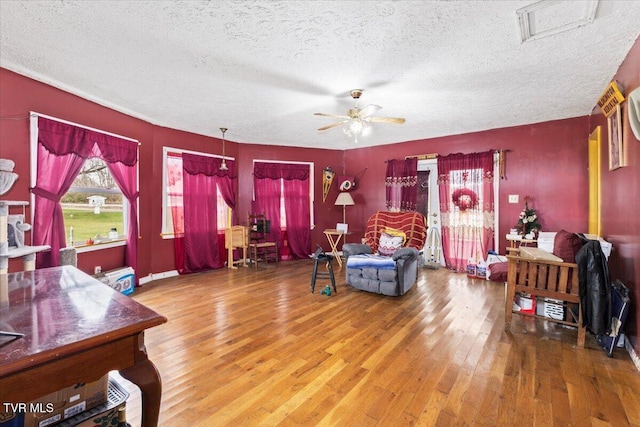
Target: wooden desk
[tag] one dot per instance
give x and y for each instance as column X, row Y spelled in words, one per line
column 334, row 236
column 76, row 329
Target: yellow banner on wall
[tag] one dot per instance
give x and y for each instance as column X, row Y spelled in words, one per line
column 611, row 97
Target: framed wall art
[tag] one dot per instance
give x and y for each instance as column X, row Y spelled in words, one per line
column 615, row 139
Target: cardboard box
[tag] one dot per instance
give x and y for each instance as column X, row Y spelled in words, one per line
column 551, row 308
column 108, row 417
column 11, row 419
column 546, row 240
column 122, row 279
column 102, row 415
column 66, row 403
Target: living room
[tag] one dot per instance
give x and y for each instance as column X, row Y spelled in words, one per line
column 547, row 161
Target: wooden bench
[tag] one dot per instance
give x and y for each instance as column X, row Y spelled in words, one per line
column 545, row 279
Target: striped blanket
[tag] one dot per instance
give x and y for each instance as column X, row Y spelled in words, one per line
column 371, row 261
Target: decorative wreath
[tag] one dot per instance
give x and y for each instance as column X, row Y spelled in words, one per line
column 464, row 199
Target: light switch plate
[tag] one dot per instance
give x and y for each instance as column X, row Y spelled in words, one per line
column 513, row 198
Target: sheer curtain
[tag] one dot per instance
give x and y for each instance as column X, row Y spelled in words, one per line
column 401, row 184
column 466, row 187
column 201, row 243
column 269, row 178
column 62, row 149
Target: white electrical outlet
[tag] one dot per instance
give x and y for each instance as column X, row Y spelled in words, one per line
column 513, row 198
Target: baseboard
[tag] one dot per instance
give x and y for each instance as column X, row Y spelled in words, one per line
column 632, row 353
column 157, row 276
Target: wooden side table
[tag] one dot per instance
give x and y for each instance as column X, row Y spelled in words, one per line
column 334, row 236
column 236, row 237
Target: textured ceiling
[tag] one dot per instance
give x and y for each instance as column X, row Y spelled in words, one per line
column 262, row 68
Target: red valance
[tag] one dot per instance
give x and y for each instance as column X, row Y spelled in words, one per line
column 61, row 139
column 286, row 171
column 209, row 166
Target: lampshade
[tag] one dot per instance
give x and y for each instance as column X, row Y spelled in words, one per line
column 344, row 199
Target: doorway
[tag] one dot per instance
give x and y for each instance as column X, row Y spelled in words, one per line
column 428, row 204
column 594, row 181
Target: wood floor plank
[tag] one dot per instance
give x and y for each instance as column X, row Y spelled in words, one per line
column 247, row 347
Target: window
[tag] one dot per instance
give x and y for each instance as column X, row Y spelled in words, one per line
column 69, row 161
column 172, row 203
column 94, row 206
column 468, row 204
column 283, row 214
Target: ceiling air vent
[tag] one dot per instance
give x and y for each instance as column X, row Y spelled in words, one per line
column 549, row 17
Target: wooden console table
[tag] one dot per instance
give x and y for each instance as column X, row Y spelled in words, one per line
column 76, row 329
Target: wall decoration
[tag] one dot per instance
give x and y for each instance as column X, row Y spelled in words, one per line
column 615, row 140
column 611, row 98
column 327, row 179
column 528, row 224
column 465, row 199
column 346, row 183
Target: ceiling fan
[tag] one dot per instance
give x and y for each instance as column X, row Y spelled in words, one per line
column 357, row 120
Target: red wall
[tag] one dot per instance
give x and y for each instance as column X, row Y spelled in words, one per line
column 547, row 161
column 20, row 94
column 621, row 197
column 326, row 214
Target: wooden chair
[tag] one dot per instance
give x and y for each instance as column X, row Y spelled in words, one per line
column 260, row 248
column 543, row 278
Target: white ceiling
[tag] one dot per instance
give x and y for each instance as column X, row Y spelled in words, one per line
column 262, row 68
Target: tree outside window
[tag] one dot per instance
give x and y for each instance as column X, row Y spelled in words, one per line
column 94, row 206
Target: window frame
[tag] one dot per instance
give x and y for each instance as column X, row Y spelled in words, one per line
column 33, row 174
column 165, row 232
column 311, row 185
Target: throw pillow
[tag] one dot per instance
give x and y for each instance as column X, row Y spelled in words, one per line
column 389, row 244
column 396, row 232
column 566, row 245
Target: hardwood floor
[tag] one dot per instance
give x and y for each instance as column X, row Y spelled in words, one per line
column 256, row 348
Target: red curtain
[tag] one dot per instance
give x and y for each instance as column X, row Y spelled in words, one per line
column 62, row 150
column 401, row 184
column 267, row 202
column 201, row 243
column 54, row 178
column 467, row 212
column 296, row 205
column 295, row 181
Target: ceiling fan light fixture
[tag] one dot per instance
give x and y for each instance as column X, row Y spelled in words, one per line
column 223, row 165
column 358, row 120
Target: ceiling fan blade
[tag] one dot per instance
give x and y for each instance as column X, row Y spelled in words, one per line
column 396, row 120
column 332, row 125
column 369, row 110
column 331, row 115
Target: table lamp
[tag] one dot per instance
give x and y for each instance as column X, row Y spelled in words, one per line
column 344, row 199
